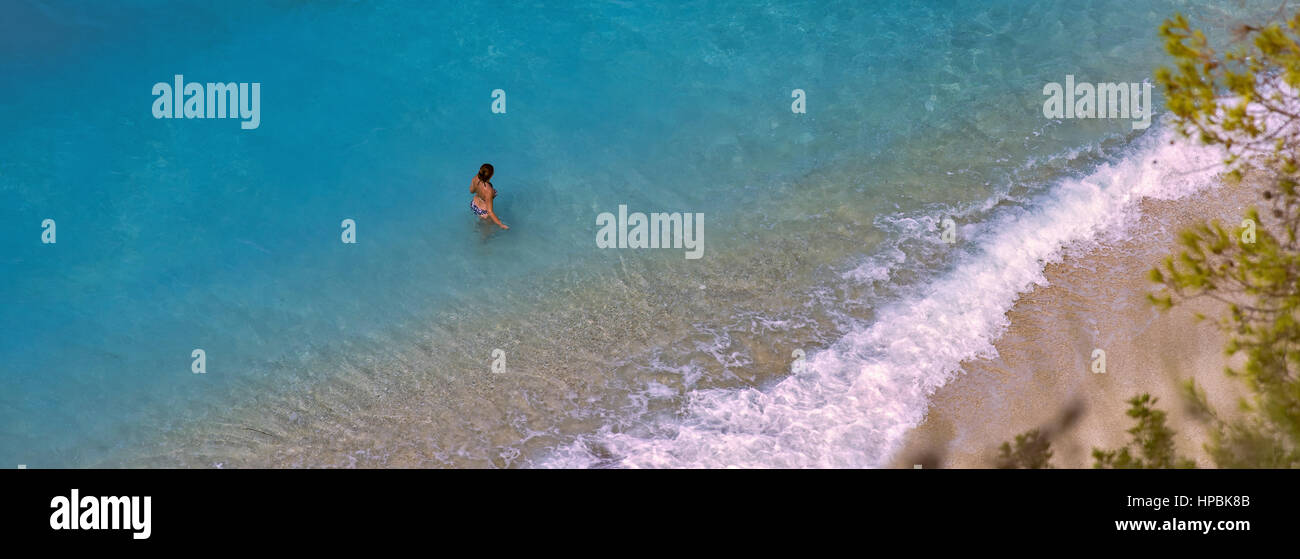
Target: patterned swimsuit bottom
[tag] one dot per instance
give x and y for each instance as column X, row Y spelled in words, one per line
column 477, row 210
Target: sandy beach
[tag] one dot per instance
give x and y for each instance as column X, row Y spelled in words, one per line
column 1041, row 377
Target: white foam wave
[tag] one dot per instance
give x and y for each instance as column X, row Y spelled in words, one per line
column 852, row 403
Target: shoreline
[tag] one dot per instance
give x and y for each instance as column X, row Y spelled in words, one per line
column 1093, row 299
column 605, row 395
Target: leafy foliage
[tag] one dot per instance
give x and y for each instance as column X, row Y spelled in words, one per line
column 1032, row 450
column 1244, row 101
column 1152, row 440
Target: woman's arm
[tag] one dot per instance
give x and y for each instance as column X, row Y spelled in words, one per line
column 493, row 215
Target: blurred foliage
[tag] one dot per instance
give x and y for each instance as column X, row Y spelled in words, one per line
column 1244, row 101
column 1152, row 446
column 1031, row 451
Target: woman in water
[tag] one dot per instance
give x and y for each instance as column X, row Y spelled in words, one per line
column 483, row 191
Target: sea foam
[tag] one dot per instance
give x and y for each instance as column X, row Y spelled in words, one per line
column 854, row 401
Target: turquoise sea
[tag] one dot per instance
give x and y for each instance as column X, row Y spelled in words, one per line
column 825, row 309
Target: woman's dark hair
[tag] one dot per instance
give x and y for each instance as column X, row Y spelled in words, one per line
column 485, row 172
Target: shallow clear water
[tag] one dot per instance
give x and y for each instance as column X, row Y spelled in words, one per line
column 183, row 234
